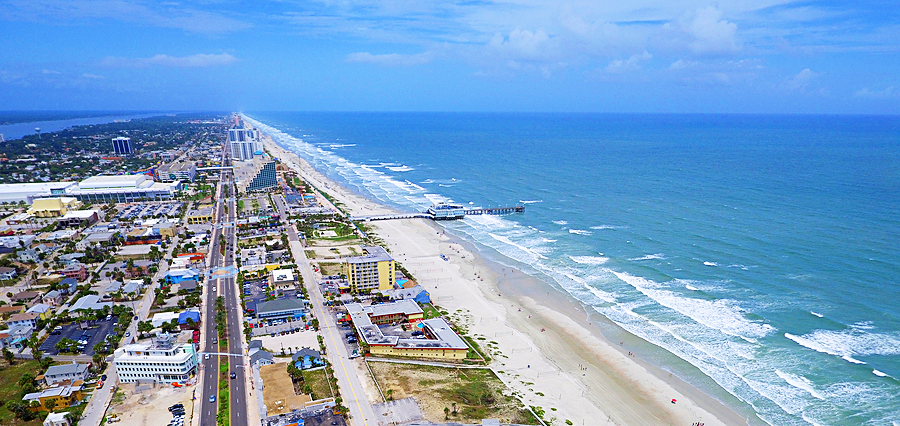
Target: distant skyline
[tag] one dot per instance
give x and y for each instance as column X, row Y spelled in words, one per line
column 755, row 56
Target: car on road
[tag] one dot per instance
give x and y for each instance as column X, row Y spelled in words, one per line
column 205, row 356
column 215, row 340
column 212, row 398
column 127, row 334
column 233, row 375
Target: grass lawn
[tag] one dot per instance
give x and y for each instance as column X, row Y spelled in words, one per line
column 331, row 268
column 9, row 390
column 318, row 382
column 430, row 311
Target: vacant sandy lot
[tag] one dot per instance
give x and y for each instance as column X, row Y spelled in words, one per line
column 151, row 407
column 278, row 390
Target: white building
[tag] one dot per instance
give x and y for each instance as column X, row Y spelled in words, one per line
column 244, row 143
column 56, row 419
column 162, row 361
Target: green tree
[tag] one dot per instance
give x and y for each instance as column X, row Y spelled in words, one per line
column 50, row 404
column 9, row 356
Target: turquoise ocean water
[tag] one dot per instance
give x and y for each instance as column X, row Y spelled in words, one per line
column 763, row 250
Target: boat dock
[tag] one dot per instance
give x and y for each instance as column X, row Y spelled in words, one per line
column 443, row 212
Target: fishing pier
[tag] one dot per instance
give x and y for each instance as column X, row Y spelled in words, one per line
column 444, row 211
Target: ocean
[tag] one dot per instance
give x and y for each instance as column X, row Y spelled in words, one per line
column 764, row 251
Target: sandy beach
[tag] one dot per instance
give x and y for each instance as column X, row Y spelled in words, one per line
column 543, row 344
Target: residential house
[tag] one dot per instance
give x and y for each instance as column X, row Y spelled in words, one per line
column 53, row 298
column 260, row 357
column 33, row 255
column 307, row 358
column 64, row 396
column 58, row 374
column 68, row 286
column 43, row 310
column 27, row 297
column 22, row 320
column 7, row 273
column 56, row 419
column 189, row 286
column 183, row 317
column 75, row 270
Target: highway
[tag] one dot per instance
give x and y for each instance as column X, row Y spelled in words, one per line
column 361, row 412
column 226, row 287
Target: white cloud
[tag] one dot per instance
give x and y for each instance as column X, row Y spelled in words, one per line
column 390, row 59
column 92, row 76
column 888, row 92
column 633, row 63
column 702, row 32
column 192, row 61
column 802, row 79
column 46, row 71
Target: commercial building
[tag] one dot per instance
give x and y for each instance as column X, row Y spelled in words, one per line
column 437, row 340
column 175, row 276
column 280, row 309
column 79, row 218
column 178, row 171
column 53, row 207
column 256, row 174
column 122, row 146
column 202, row 215
column 26, row 192
column 374, row 271
column 66, row 373
column 122, row 189
column 162, row 361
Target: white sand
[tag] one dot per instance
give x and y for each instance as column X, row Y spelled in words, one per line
column 568, row 366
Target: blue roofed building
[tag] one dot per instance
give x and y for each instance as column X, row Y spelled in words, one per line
column 175, row 276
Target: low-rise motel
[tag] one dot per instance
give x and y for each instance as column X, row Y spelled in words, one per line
column 438, row 340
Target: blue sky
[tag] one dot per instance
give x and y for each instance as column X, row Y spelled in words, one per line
column 755, row 56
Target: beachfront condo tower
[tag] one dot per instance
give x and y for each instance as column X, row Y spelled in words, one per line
column 374, row 271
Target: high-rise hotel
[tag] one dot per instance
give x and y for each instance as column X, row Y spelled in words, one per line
column 122, row 146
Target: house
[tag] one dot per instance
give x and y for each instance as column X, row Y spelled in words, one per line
column 307, row 358
column 161, row 318
column 7, row 273
column 57, row 374
column 27, row 297
column 94, row 239
column 43, row 310
column 53, row 298
column 183, row 317
column 70, row 259
column 416, row 293
column 260, row 357
column 64, row 396
column 175, row 276
column 34, row 254
column 75, row 270
column 11, row 309
column 56, row 419
column 133, row 287
column 139, row 268
column 23, row 320
column 68, row 286
column 189, row 286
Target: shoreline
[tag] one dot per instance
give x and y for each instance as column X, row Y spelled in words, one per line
column 542, row 349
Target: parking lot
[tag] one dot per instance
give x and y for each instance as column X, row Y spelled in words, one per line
column 95, row 332
column 148, row 210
